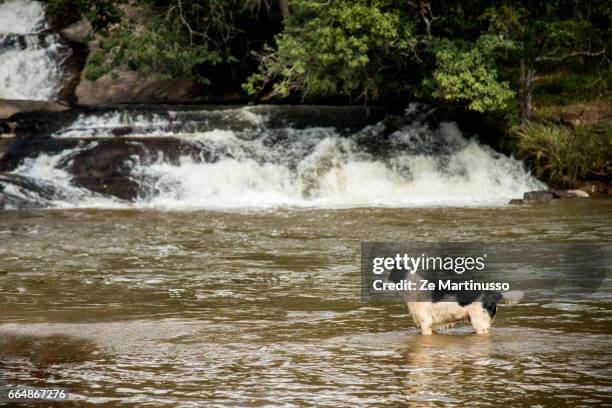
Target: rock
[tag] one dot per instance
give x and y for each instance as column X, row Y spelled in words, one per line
column 20, row 192
column 6, row 128
column 72, row 70
column 132, row 87
column 40, row 118
column 541, row 195
column 121, row 187
column 9, row 108
column 33, row 121
column 5, row 145
column 14, row 150
column 517, row 201
column 106, row 167
column 78, row 31
column 595, row 188
column 570, row 194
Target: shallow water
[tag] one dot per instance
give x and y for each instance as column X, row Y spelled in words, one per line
column 145, row 307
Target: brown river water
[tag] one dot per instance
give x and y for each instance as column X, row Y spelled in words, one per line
column 262, row 308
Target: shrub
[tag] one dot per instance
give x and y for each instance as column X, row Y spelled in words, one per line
column 561, row 155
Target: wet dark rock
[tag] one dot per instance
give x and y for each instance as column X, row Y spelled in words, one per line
column 106, row 167
column 72, row 69
column 517, row 201
column 541, row 195
column 5, row 128
column 102, row 166
column 35, row 118
column 10, row 108
column 129, row 87
column 13, row 151
column 122, row 131
column 121, row 187
column 20, row 192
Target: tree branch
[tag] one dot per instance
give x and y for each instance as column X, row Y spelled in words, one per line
column 572, row 54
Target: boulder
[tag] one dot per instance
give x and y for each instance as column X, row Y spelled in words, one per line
column 106, row 167
column 20, row 192
column 9, row 108
column 595, row 188
column 132, row 87
column 517, row 201
column 540, row 195
column 570, row 194
column 78, row 31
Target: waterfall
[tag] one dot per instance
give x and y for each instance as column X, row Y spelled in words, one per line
column 31, row 57
column 253, row 158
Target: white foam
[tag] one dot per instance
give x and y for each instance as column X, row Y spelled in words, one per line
column 30, row 63
column 183, row 123
column 21, row 17
column 314, row 167
column 49, row 173
column 336, row 174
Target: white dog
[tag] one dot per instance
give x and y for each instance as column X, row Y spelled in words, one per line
column 441, row 309
column 429, row 316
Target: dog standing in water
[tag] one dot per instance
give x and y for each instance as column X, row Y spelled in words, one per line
column 432, row 310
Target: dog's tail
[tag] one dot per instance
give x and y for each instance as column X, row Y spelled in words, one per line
column 512, row 297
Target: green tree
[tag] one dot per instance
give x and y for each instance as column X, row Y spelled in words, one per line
column 467, row 73
column 176, row 38
column 336, row 48
column 551, row 32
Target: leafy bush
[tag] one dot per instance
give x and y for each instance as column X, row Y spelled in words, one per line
column 468, row 74
column 100, row 13
column 335, row 48
column 150, row 51
column 167, row 39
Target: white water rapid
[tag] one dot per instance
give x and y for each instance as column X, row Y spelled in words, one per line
column 31, row 57
column 243, row 158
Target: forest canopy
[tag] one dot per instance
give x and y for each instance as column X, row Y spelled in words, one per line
column 485, row 55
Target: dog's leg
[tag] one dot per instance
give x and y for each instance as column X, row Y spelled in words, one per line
column 426, row 330
column 421, row 316
column 480, row 319
column 426, row 324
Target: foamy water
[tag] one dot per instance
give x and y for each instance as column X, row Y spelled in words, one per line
column 30, row 60
column 248, row 163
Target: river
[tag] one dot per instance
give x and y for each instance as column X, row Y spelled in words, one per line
column 261, row 307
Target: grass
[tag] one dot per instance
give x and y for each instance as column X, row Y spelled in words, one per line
column 569, row 139
column 562, row 155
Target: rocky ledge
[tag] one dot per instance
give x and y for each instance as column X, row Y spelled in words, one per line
column 547, row 195
column 102, row 166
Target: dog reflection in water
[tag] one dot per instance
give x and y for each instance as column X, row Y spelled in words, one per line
column 440, row 309
column 445, row 370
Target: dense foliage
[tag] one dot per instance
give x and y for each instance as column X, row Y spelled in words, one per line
column 336, row 48
column 202, row 40
column 485, row 55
